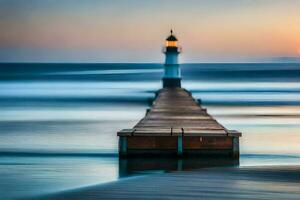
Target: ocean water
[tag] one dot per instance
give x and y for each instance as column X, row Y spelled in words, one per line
column 58, row 122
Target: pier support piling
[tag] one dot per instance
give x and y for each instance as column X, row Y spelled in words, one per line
column 123, row 146
column 179, row 145
column 235, row 147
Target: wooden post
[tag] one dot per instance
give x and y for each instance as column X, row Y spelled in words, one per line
column 123, row 167
column 179, row 164
column 179, row 146
column 235, row 147
column 123, row 146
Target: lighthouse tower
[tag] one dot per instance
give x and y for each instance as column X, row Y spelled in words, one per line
column 172, row 75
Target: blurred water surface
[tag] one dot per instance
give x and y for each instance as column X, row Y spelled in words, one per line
column 58, row 122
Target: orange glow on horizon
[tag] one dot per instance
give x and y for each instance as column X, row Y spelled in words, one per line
column 208, row 30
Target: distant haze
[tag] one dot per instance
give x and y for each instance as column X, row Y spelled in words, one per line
column 135, row 30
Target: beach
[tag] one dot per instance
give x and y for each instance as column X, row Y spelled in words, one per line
column 268, row 182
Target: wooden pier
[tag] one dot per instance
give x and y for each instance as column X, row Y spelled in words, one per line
column 177, row 125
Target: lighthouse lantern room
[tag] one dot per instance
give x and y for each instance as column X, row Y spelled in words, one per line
column 172, row 75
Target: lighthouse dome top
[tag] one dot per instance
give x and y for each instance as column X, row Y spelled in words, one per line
column 171, row 37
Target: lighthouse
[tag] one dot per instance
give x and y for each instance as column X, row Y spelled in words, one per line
column 172, row 75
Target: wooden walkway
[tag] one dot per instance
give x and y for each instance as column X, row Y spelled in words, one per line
column 177, row 123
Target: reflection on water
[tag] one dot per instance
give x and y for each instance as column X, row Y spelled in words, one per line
column 26, row 175
column 73, row 111
column 29, row 175
column 134, row 166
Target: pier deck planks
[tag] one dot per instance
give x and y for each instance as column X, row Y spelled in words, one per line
column 175, row 108
column 176, row 113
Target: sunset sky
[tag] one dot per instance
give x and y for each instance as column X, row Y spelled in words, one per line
column 135, row 30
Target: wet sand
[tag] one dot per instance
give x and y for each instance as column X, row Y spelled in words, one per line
column 270, row 182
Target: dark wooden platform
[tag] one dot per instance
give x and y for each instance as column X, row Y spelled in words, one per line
column 177, row 124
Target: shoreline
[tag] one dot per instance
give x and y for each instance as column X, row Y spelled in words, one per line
column 259, row 182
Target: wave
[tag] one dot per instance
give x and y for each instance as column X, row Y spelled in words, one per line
column 146, row 72
column 115, row 154
column 58, row 154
